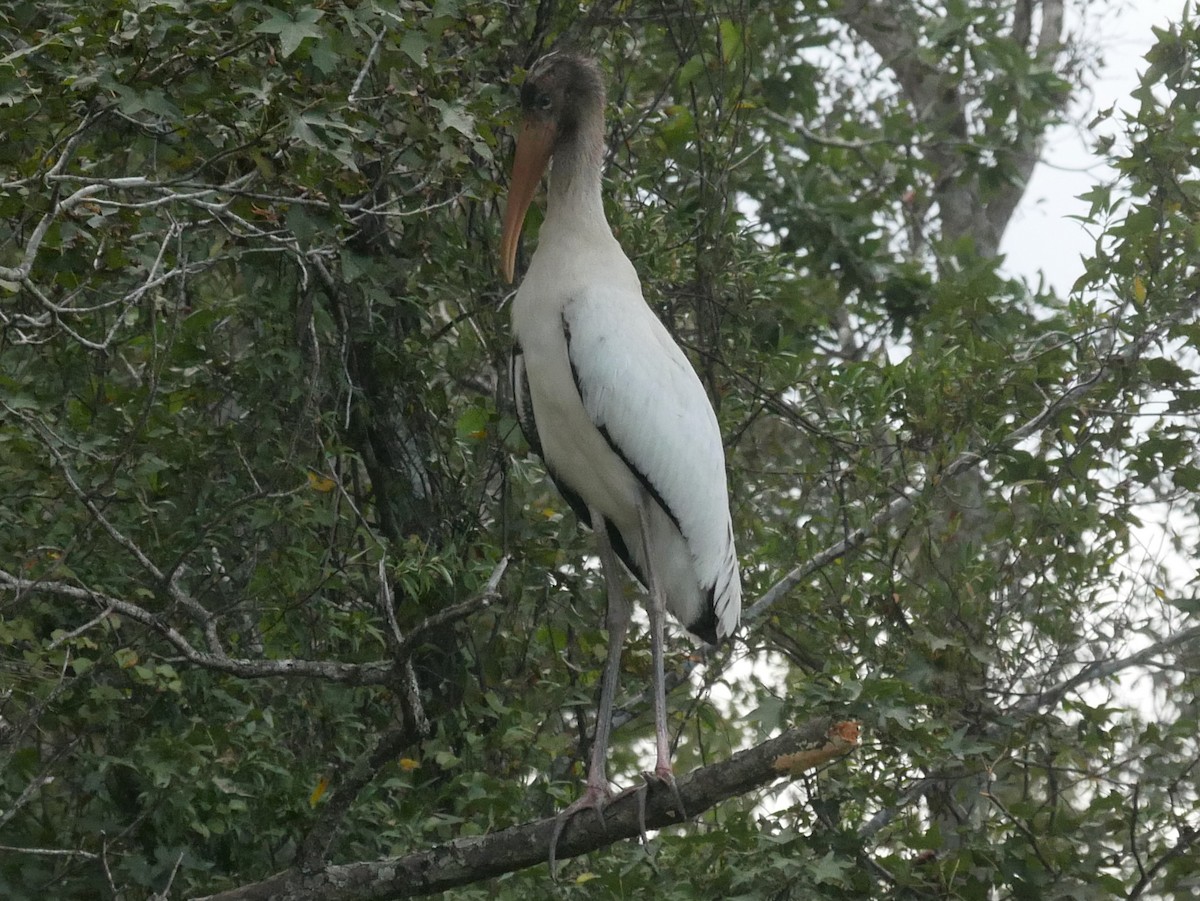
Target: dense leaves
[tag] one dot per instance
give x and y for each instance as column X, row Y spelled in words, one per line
column 281, row 586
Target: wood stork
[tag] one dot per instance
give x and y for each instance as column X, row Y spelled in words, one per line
column 610, row 402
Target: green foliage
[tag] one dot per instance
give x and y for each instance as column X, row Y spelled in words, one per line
column 255, row 431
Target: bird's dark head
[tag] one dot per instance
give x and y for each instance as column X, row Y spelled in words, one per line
column 562, row 111
column 561, row 90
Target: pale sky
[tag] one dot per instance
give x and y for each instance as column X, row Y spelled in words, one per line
column 1040, row 237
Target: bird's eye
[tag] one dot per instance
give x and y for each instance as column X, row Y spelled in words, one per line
column 544, row 102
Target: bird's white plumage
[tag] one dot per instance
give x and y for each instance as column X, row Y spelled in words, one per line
column 612, row 403
column 617, row 402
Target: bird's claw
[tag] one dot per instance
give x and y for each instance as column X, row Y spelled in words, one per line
column 664, row 776
column 593, row 798
column 643, row 792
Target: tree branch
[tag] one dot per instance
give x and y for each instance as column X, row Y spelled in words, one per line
column 1024, row 151
column 1104, row 669
column 370, row 673
column 1187, row 837
column 1100, row 669
column 933, row 95
column 937, row 100
column 1069, row 399
column 467, row 860
column 313, row 850
column 375, row 672
column 460, row 610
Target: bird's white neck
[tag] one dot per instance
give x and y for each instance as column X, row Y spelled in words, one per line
column 574, row 200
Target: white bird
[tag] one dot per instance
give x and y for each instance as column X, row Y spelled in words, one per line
column 610, row 402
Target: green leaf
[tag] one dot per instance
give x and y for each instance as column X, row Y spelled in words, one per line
column 455, row 117
column 473, row 424
column 830, row 869
column 731, row 41
column 293, row 30
column 414, row 44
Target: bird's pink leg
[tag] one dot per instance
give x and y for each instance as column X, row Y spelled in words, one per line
column 657, row 612
column 596, row 792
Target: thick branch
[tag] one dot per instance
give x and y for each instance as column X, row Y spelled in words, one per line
column 1025, row 150
column 469, row 860
column 933, row 94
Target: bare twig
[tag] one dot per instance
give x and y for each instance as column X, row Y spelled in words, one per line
column 457, row 611
column 352, row 97
column 107, row 870
column 1187, row 837
column 387, row 606
column 51, row 852
column 824, row 140
column 35, row 784
column 1024, row 829
column 21, row 272
column 410, row 688
column 75, row 633
column 166, row 892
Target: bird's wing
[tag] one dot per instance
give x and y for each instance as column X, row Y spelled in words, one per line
column 523, row 400
column 642, row 393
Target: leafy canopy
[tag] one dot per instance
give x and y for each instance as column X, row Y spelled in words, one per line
column 280, row 584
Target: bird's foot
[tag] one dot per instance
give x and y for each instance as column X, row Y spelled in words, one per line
column 594, row 797
column 664, row 775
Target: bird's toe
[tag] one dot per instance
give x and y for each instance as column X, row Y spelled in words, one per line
column 594, row 798
column 665, row 776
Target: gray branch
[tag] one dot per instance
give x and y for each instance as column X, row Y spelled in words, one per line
column 1069, row 399
column 370, row 673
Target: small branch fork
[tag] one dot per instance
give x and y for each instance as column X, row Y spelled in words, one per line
column 370, row 673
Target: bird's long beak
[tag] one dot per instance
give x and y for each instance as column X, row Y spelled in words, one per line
column 534, row 145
